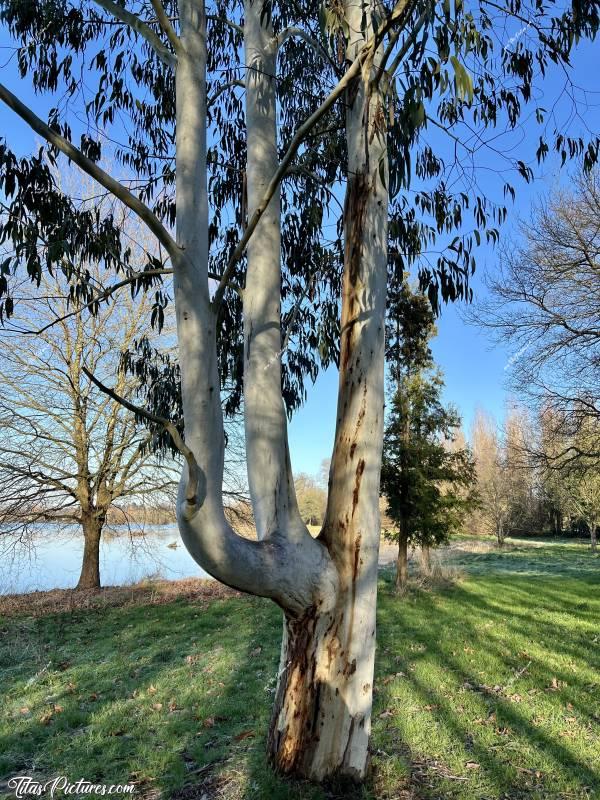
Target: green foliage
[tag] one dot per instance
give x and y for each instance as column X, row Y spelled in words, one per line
column 428, row 482
column 429, row 487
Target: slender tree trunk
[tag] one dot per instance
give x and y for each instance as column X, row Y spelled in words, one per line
column 500, row 534
column 90, row 567
column 426, row 560
column 593, row 535
column 402, row 564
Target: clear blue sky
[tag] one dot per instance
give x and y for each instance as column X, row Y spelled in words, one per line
column 475, row 372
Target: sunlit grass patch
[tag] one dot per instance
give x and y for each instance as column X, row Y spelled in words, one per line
column 485, row 688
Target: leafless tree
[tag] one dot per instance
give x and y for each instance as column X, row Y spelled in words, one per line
column 67, row 454
column 545, row 303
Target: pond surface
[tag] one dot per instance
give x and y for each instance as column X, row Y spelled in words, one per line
column 52, row 559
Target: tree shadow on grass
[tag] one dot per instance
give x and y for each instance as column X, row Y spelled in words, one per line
column 145, row 693
column 466, row 606
column 177, row 697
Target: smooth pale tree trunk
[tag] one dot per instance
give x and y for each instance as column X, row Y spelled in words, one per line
column 402, row 564
column 326, row 587
column 322, row 715
column 593, row 535
column 269, row 471
column 90, row 566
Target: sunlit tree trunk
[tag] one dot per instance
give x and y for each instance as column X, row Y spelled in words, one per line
column 426, row 560
column 322, row 714
column 402, row 564
column 90, row 567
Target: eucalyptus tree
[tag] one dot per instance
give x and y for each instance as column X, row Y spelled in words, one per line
column 341, row 117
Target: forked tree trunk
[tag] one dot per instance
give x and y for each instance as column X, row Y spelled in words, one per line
column 90, row 567
column 322, row 715
column 402, row 564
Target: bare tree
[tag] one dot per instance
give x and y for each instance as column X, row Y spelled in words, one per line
column 493, row 479
column 545, row 303
column 68, row 455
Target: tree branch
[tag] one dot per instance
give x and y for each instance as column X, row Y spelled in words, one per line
column 165, row 24
column 366, row 51
column 94, row 171
column 300, row 33
column 223, row 88
column 225, row 21
column 140, row 27
column 101, row 297
column 194, row 472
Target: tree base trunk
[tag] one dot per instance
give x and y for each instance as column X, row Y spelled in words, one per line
column 402, row 566
column 90, row 567
column 322, row 713
column 426, row 561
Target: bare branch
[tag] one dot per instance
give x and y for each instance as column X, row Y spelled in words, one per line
column 194, row 472
column 223, row 88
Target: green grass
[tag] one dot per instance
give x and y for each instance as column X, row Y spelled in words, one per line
column 488, row 688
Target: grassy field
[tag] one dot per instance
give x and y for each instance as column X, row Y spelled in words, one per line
column 488, row 687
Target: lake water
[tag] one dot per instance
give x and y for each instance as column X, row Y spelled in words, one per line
column 54, row 559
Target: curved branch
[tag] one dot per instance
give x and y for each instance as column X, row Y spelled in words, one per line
column 225, row 21
column 94, row 171
column 194, row 472
column 300, row 33
column 149, row 273
column 223, row 88
column 140, row 27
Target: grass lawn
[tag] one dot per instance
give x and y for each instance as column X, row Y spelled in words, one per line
column 486, row 688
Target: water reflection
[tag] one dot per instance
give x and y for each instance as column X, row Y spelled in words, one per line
column 53, row 561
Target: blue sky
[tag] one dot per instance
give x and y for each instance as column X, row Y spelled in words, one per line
column 474, row 368
column 475, row 371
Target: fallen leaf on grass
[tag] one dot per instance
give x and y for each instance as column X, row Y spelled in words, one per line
column 157, row 706
column 387, row 713
column 472, row 765
column 244, row 735
column 256, row 652
column 151, row 689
